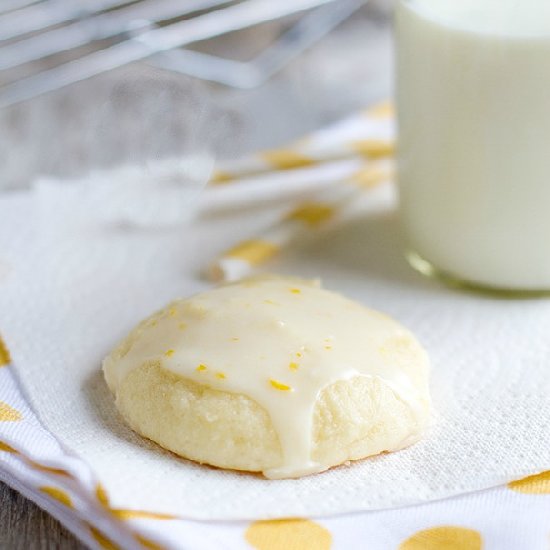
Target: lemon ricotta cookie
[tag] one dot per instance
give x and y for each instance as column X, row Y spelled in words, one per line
column 273, row 375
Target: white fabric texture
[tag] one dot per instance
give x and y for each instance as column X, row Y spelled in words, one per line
column 70, row 290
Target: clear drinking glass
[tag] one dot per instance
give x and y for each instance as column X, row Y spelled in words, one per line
column 474, row 153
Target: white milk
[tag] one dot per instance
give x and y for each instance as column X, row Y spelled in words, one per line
column 474, row 113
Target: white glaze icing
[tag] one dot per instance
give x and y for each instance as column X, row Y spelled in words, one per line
column 280, row 342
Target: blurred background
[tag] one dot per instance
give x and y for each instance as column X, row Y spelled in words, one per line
column 91, row 84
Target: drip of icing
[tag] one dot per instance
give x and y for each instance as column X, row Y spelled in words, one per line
column 280, row 342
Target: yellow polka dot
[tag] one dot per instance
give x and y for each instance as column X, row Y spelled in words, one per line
column 102, row 540
column 371, row 176
column 139, row 514
column 221, row 177
column 48, row 469
column 57, row 494
column 373, row 148
column 9, row 414
column 148, row 543
column 102, row 495
column 5, row 358
column 443, row 538
column 313, row 213
column 534, row 485
column 6, row 448
column 285, row 159
column 288, row 534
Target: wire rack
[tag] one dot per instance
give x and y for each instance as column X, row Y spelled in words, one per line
column 114, row 33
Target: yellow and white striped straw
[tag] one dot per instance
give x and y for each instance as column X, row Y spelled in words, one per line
column 370, row 136
column 242, row 258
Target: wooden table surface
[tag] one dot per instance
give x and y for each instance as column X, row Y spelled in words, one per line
column 24, row 526
column 346, row 71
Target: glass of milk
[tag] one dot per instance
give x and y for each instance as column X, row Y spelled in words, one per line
column 473, row 98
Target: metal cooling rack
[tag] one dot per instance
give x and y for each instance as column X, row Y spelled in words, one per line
column 117, row 32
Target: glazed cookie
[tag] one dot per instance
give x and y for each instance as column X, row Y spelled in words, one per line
column 271, row 375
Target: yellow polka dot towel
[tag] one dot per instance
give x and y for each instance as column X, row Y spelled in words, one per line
column 338, row 164
column 479, row 480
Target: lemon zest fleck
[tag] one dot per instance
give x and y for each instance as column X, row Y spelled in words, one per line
column 295, row 290
column 220, row 375
column 293, row 366
column 279, row 385
column 201, row 368
column 169, row 353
